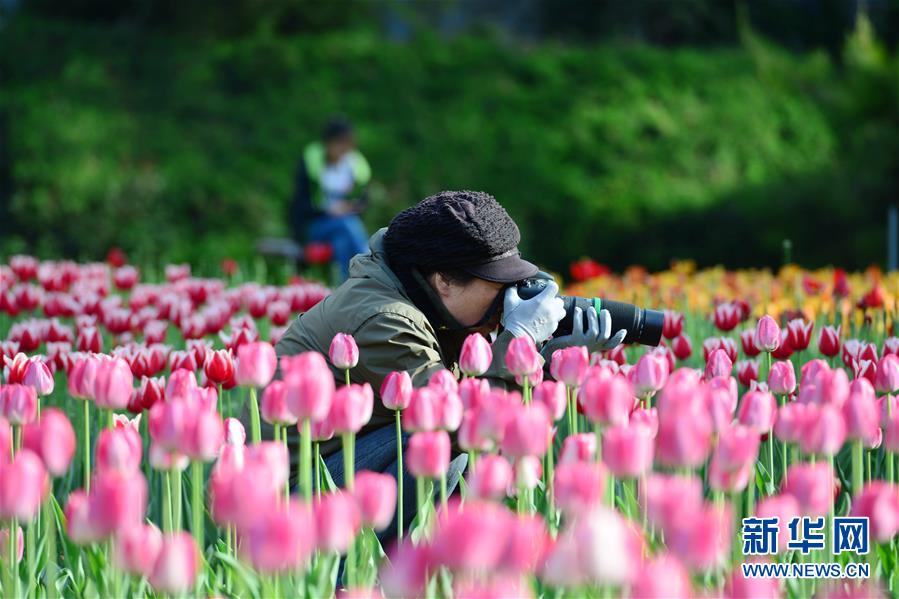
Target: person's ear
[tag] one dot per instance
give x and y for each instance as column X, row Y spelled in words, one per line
column 441, row 285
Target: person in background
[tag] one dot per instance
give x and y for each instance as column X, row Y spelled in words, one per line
column 330, row 194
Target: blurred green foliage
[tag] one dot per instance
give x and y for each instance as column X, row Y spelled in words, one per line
column 180, row 147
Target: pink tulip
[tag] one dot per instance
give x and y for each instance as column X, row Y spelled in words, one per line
column 782, row 378
column 119, row 449
column 182, row 384
column 579, row 486
column 628, row 450
column 824, row 431
column 578, row 448
column 351, row 408
column 861, row 412
column 396, row 390
column 721, row 400
column 784, row 507
column 38, row 375
column 23, row 486
column 610, row 550
column 18, row 404
column 791, row 419
column 282, row 540
column 52, row 440
column 569, row 365
column 137, row 549
column 662, row 577
column 607, row 399
column 553, row 397
column 522, row 358
column 113, row 384
column 375, row 495
column 344, row 353
column 767, row 334
column 527, row 432
column 666, row 497
column 649, row 374
column 273, row 406
column 684, row 439
column 470, row 537
column 423, row 411
column 405, row 573
column 309, row 386
column 4, row 544
column 81, row 377
column 428, row 454
column 528, row 472
column 879, row 502
column 822, row 385
column 561, row 567
column 444, row 382
column 813, row 487
column 758, row 411
column 733, row 460
column 491, row 478
column 702, row 537
column 117, row 500
column 78, row 524
column 177, row 565
column 525, row 547
column 740, row 587
column 337, row 521
column 718, row 364
column 476, row 355
column 256, row 363
column 887, row 378
column 648, row 418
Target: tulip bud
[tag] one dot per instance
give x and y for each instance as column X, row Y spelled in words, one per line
column 491, row 478
column 579, row 486
column 137, row 549
column 273, row 405
column 522, row 358
column 396, row 390
column 256, row 363
column 177, row 565
column 682, row 346
column 569, row 365
column 337, row 520
column 476, row 355
column 309, row 386
column 113, row 384
column 219, row 366
column 282, row 539
column 672, row 324
column 553, row 397
column 829, row 341
column 628, row 450
column 428, row 454
column 719, row 364
column 578, row 448
column 38, row 375
column 782, row 378
column 527, row 432
column 351, row 408
column 767, row 334
column 23, row 486
column 375, row 495
column 813, row 487
column 344, row 352
column 18, row 404
column 887, row 378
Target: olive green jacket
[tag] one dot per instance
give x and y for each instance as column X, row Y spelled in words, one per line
column 391, row 332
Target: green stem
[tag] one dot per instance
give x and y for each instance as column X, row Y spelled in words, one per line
column 548, row 485
column 318, row 471
column 110, row 419
column 526, row 390
column 50, row 549
column 597, row 430
column 420, row 498
column 347, row 376
column 167, row 502
column 306, row 459
column 890, row 469
column 255, row 426
column 348, row 483
column 771, row 456
column 176, row 498
column 13, row 563
column 196, row 504
column 857, row 473
column 30, row 548
column 86, row 448
column 827, row 528
column 399, row 475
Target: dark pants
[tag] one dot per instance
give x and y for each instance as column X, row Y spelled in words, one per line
column 376, row 451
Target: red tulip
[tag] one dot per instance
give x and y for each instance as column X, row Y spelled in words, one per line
column 396, row 390
column 89, row 340
column 256, row 363
column 747, row 371
column 52, row 440
column 428, row 454
column 829, row 341
column 682, row 347
column 337, row 521
column 476, row 355
column 219, row 366
column 278, row 312
column 673, row 324
column 799, row 333
column 726, row 316
column 728, row 345
column 344, row 353
column 628, row 450
column 375, row 494
column 23, row 486
column 177, row 565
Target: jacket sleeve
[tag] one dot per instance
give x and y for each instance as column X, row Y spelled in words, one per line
column 392, row 342
column 301, row 209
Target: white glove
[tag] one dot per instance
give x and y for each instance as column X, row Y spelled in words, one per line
column 597, row 337
column 537, row 317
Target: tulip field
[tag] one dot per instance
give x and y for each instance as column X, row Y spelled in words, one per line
column 133, row 460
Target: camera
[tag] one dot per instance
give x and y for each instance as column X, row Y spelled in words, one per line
column 643, row 326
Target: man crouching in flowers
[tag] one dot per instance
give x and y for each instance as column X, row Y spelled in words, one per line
column 442, row 269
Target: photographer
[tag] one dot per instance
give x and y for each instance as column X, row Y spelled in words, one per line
column 442, row 270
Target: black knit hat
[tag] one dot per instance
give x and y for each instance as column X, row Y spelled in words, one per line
column 464, row 230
